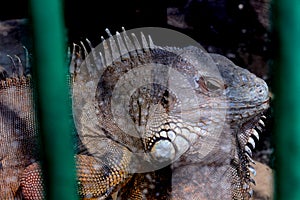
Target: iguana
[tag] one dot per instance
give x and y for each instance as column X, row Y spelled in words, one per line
column 155, row 122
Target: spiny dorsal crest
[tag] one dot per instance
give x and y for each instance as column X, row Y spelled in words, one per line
column 18, row 73
column 114, row 48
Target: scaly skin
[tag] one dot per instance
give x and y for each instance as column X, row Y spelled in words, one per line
column 17, row 133
column 206, row 155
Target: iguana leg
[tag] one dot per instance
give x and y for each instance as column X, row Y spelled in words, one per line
column 155, row 185
column 31, row 182
column 95, row 179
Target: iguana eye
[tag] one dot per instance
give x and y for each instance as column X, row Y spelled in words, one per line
column 210, row 84
column 213, row 85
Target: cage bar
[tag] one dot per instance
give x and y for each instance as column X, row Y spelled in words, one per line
column 58, row 164
column 287, row 107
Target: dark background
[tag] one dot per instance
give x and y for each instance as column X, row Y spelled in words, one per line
column 221, row 26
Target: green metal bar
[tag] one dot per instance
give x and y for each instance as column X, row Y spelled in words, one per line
column 287, row 102
column 54, row 111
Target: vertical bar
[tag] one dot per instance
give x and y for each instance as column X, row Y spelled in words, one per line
column 58, row 164
column 287, row 102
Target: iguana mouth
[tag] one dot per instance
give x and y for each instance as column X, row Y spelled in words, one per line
column 243, row 113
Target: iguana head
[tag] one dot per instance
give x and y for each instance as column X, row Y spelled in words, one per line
column 248, row 98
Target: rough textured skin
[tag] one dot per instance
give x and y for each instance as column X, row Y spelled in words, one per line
column 17, row 132
column 231, row 102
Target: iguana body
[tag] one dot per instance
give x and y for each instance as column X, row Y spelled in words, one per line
column 205, row 155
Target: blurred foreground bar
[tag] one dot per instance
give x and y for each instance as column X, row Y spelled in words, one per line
column 54, row 111
column 287, row 99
